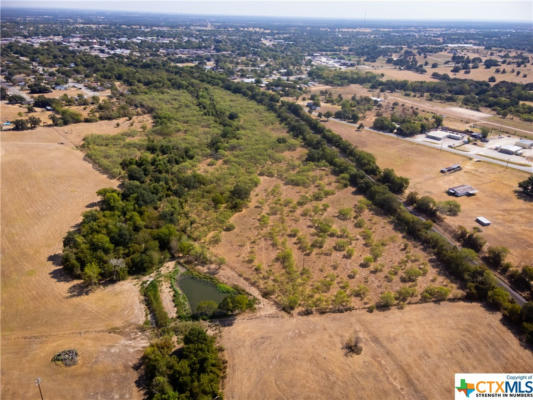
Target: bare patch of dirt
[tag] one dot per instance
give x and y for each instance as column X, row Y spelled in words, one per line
column 469, row 113
column 167, row 294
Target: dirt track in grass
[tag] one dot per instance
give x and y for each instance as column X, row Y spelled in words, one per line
column 407, row 354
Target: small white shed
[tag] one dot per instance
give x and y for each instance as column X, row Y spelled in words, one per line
column 483, row 221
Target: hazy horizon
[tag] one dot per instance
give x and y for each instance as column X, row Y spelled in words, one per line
column 414, row 10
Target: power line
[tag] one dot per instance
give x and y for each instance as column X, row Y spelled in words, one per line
column 38, row 383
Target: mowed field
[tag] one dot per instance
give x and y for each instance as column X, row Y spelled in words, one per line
column 407, row 354
column 46, row 186
column 497, row 200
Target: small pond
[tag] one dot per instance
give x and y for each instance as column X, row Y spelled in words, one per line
column 198, row 290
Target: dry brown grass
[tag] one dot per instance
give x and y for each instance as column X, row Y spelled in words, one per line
column 45, row 188
column 346, row 91
column 74, row 134
column 10, row 112
column 455, row 116
column 391, row 73
column 407, row 354
column 251, row 248
column 497, row 200
column 73, row 92
column 480, row 73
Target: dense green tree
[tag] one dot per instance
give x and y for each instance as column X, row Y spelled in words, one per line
column 192, row 372
column 527, row 186
column 496, row 256
column 34, row 122
column 383, row 124
column 21, row 125
column 396, row 184
column 427, row 206
column 91, row 274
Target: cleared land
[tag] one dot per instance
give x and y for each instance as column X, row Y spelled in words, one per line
column 393, row 73
column 74, row 133
column 481, row 73
column 320, row 246
column 497, row 199
column 455, row 116
column 46, row 187
column 10, row 112
column 407, row 354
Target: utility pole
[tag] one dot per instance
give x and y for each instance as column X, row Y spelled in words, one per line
column 38, row 383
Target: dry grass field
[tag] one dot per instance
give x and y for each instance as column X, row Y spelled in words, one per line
column 497, row 199
column 10, row 112
column 74, row 92
column 46, row 186
column 76, row 132
column 393, row 73
column 407, row 354
column 455, row 116
column 73, row 134
column 481, row 73
column 329, row 267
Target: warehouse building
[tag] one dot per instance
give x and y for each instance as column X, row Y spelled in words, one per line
column 455, row 136
column 462, row 190
column 437, row 135
column 525, row 143
column 510, row 149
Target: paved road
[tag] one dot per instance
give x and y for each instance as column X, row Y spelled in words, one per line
column 458, row 114
column 520, row 300
column 440, row 147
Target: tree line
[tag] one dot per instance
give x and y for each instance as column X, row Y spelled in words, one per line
column 324, row 145
column 364, row 175
column 504, row 97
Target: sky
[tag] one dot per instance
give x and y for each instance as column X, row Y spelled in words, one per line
column 465, row 10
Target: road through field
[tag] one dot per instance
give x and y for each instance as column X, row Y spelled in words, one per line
column 501, row 282
column 497, row 199
column 458, row 112
column 502, row 162
column 46, row 186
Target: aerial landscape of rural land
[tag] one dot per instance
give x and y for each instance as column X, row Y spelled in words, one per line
column 266, row 200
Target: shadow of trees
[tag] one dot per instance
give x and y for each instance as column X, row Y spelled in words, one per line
column 78, row 288
column 92, row 204
column 55, row 259
column 523, row 196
